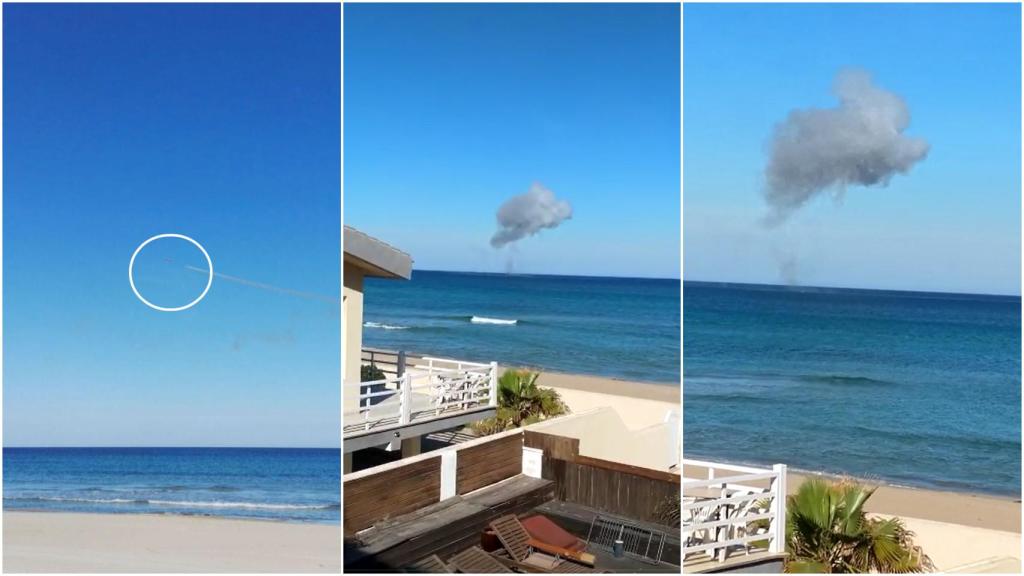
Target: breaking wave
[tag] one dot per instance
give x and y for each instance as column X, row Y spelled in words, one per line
column 383, row 326
column 485, row 320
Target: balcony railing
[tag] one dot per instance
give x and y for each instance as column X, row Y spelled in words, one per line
column 735, row 510
column 426, row 388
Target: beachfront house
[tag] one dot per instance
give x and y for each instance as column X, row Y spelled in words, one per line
column 403, row 397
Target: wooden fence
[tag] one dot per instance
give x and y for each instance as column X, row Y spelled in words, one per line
column 404, row 486
column 485, row 464
column 391, row 493
column 618, row 489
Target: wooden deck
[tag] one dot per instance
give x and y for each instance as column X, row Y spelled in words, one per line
column 445, row 528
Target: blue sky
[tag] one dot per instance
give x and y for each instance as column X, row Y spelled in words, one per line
column 220, row 122
column 952, row 224
column 452, row 109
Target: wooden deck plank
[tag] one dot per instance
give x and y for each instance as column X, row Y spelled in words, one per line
column 444, row 528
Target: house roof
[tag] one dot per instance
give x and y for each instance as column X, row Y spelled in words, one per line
column 377, row 258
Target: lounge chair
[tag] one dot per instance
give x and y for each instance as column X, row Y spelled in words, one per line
column 530, row 554
column 428, row 565
column 475, row 561
column 549, row 537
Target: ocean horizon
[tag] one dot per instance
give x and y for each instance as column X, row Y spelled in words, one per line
column 281, row 484
column 614, row 327
column 917, row 389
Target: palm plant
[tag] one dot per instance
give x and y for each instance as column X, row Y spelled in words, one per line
column 828, row 531
column 669, row 510
column 525, row 402
column 520, row 402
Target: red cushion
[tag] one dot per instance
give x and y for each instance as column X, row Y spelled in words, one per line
column 543, row 529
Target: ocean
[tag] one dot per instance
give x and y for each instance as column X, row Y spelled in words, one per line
column 295, row 485
column 907, row 388
column 625, row 328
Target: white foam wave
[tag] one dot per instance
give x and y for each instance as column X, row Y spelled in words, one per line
column 200, row 504
column 383, row 326
column 485, row 320
column 181, row 503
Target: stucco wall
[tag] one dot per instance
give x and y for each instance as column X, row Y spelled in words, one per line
column 353, row 317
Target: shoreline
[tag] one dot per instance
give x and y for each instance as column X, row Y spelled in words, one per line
column 874, row 481
column 44, row 541
column 286, row 521
column 655, row 391
column 653, row 386
column 638, row 404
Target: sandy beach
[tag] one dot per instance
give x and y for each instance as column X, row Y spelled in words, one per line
column 978, row 510
column 64, row 542
column 639, row 404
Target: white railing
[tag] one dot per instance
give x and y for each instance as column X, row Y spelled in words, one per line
column 430, row 387
column 737, row 509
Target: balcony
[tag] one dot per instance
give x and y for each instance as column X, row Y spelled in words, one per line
column 733, row 517
column 417, row 396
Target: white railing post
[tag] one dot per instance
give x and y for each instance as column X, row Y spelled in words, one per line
column 494, row 384
column 777, row 528
column 722, row 532
column 406, row 399
column 449, row 472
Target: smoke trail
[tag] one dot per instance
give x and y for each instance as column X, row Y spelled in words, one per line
column 526, row 214
column 860, row 142
column 270, row 287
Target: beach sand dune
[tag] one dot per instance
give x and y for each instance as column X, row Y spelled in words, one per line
column 64, row 542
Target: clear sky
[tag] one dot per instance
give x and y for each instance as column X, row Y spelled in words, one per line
column 952, row 224
column 452, row 109
column 220, row 122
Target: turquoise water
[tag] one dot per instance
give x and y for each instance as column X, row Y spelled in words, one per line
column 296, row 485
column 624, row 328
column 918, row 389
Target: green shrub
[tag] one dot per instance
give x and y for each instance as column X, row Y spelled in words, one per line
column 370, row 373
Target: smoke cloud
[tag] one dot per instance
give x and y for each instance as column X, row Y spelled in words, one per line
column 860, row 142
column 526, row 214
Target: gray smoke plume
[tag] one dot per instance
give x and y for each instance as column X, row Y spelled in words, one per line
column 526, row 214
column 860, row 142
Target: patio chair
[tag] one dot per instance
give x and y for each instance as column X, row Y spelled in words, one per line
column 528, row 553
column 475, row 561
column 697, row 516
column 445, row 389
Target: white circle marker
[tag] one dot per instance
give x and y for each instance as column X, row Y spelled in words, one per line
column 209, row 279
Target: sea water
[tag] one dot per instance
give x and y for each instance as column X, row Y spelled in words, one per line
column 918, row 389
column 626, row 328
column 297, row 485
